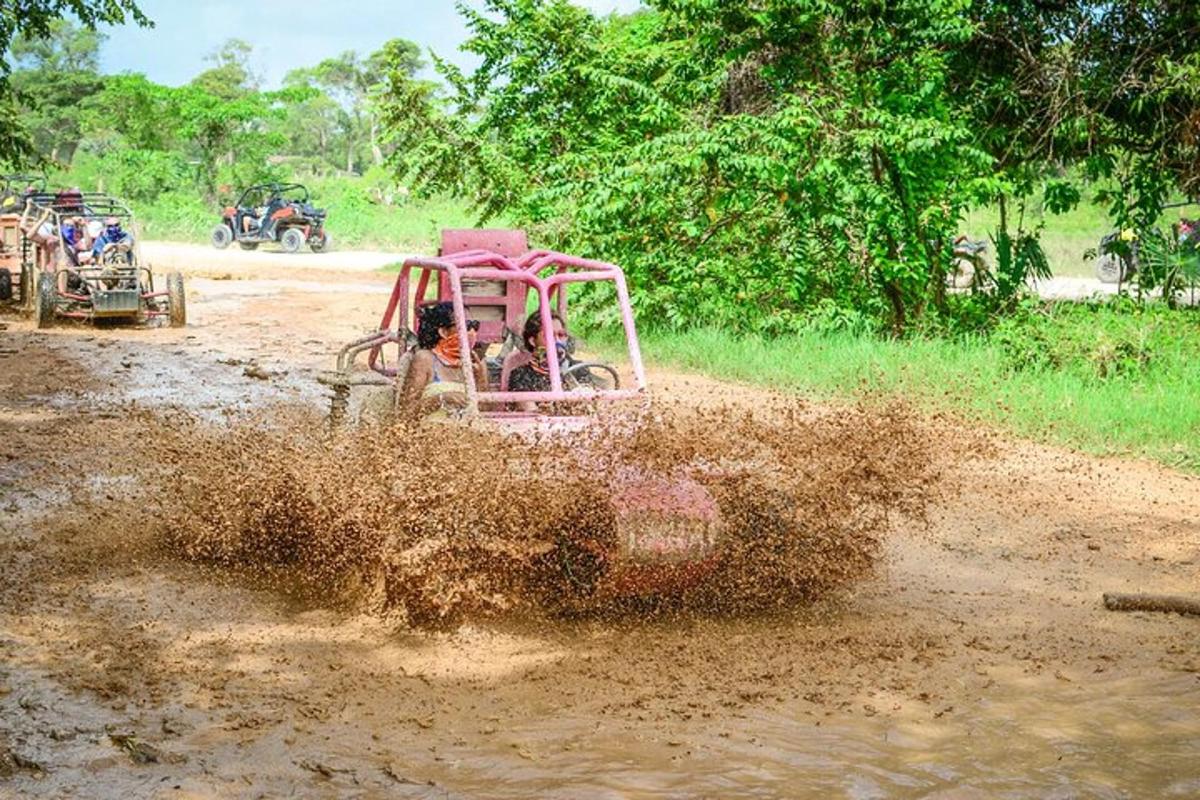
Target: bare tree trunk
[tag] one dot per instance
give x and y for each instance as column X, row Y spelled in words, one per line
column 376, row 152
column 1166, row 603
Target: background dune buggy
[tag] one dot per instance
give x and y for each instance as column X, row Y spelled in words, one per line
column 273, row 212
column 118, row 286
column 17, row 257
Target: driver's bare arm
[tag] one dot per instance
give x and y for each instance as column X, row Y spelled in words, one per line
column 420, row 372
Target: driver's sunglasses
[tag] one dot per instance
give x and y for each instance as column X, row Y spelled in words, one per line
column 472, row 324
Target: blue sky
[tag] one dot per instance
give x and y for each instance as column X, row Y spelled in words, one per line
column 285, row 34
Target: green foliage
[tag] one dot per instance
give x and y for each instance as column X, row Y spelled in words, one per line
column 751, row 163
column 26, row 22
column 743, row 166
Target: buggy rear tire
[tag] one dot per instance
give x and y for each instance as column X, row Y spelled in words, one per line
column 222, row 236
column 6, row 286
column 321, row 245
column 962, row 273
column 176, row 300
column 27, row 284
column 1111, row 268
column 291, row 240
column 46, row 301
column 248, row 245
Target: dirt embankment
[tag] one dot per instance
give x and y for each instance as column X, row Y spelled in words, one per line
column 975, row 661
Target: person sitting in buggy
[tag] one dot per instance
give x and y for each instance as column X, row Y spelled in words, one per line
column 44, row 235
column 435, row 382
column 114, row 239
column 77, row 242
column 534, row 374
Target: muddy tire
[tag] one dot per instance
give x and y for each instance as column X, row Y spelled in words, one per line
column 27, row 288
column 222, row 236
column 177, row 300
column 962, row 273
column 292, row 240
column 248, row 245
column 321, row 245
column 1111, row 268
column 46, row 300
column 6, row 286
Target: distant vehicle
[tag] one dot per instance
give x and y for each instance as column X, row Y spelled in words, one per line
column 273, row 212
column 969, row 262
column 1117, row 257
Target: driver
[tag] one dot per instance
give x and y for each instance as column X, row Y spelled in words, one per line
column 435, row 380
column 114, row 236
column 534, row 376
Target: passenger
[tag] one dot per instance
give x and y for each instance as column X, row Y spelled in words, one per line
column 77, row 241
column 435, row 381
column 534, row 376
column 113, row 238
column 43, row 233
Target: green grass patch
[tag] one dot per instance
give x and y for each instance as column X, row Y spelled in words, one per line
column 1101, row 379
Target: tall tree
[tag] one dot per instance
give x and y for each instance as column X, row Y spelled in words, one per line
column 352, row 81
column 231, row 75
column 53, row 74
column 34, row 19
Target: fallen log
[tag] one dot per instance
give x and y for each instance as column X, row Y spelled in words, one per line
column 1169, row 604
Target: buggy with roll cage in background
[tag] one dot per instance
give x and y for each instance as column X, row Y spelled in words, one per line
column 111, row 281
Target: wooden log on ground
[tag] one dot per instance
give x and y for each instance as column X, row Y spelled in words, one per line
column 1169, row 604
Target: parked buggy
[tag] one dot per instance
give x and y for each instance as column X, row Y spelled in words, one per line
column 1118, row 258
column 99, row 272
column 18, row 258
column 273, row 212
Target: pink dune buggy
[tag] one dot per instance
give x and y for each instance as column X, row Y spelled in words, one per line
column 668, row 527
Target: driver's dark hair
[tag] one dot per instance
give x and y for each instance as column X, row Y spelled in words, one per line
column 533, row 327
column 434, row 317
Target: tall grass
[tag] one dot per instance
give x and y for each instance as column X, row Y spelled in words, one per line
column 1113, row 382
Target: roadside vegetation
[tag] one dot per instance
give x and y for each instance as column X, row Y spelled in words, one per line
column 1106, row 379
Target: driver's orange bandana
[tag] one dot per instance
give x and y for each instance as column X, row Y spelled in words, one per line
column 449, row 351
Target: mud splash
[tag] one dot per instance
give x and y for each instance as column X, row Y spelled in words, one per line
column 445, row 523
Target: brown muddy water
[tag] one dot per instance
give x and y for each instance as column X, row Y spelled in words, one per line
column 970, row 658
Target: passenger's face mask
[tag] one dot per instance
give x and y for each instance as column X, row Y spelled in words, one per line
column 113, row 231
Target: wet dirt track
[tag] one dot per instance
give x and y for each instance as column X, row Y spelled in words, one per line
column 978, row 663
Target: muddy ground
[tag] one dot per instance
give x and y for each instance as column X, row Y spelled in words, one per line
column 978, row 662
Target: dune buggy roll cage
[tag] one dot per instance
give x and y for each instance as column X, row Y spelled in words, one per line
column 398, row 325
column 274, row 189
column 89, row 205
column 18, row 183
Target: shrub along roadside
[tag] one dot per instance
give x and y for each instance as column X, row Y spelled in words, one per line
column 1100, row 378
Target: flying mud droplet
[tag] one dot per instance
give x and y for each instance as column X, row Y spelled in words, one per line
column 448, row 522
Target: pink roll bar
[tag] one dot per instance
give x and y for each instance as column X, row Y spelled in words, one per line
column 490, row 266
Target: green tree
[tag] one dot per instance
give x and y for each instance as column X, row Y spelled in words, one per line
column 53, row 74
column 744, row 161
column 231, row 75
column 352, row 81
column 34, row 19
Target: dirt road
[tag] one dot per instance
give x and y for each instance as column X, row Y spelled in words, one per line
column 978, row 663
